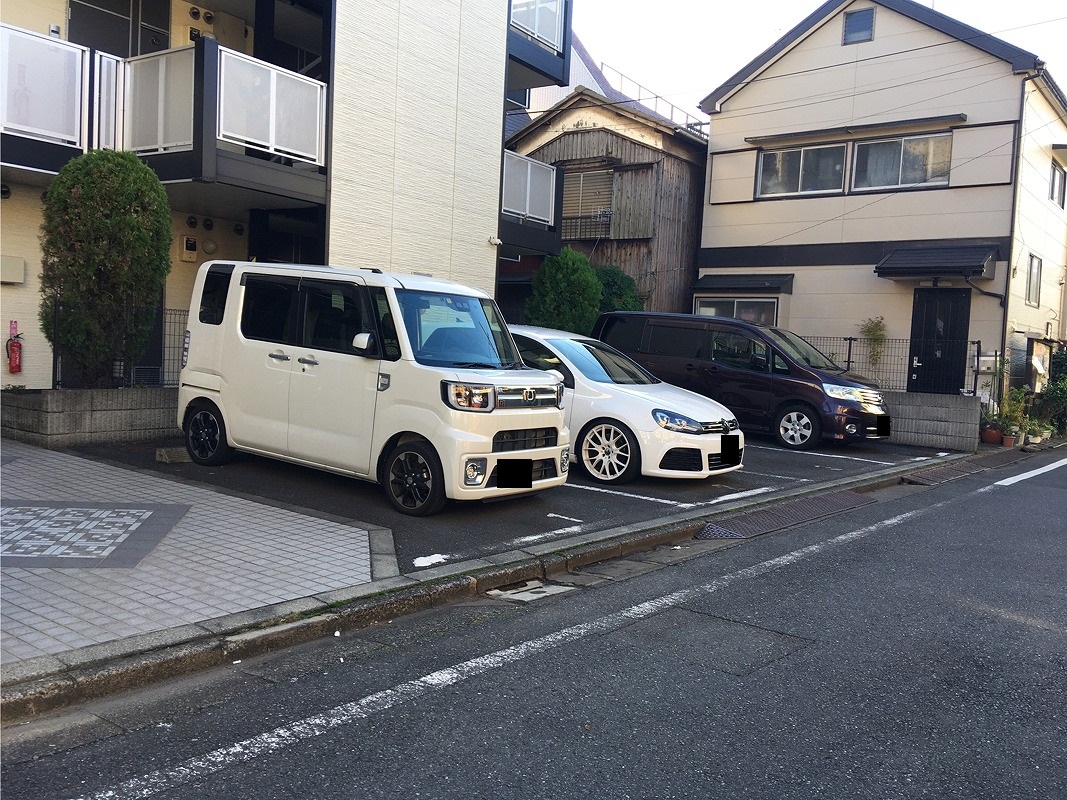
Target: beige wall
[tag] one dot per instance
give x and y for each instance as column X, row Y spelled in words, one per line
column 36, row 16
column 417, row 134
column 20, row 225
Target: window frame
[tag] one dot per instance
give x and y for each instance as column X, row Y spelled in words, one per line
column 802, row 149
column 1033, row 281
column 865, row 34
column 772, row 301
column 855, row 172
column 1057, row 190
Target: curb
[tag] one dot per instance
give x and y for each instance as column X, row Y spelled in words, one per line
column 50, row 683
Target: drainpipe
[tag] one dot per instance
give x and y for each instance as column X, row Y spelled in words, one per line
column 1038, row 71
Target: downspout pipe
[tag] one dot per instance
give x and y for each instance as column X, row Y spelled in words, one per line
column 1037, row 72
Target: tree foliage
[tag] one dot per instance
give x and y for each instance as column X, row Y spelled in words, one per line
column 566, row 293
column 619, row 290
column 105, row 244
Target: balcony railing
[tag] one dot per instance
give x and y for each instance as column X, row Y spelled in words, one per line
column 147, row 104
column 540, row 19
column 45, row 82
column 529, row 188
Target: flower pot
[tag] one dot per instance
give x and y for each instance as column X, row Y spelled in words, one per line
column 990, row 435
column 1008, row 440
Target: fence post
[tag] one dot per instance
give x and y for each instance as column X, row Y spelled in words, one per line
column 848, row 356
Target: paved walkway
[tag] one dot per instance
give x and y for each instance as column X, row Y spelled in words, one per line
column 92, row 554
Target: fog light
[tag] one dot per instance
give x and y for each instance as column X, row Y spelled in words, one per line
column 474, row 472
column 851, row 429
column 564, row 460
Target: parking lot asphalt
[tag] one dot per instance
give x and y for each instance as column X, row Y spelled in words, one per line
column 116, row 575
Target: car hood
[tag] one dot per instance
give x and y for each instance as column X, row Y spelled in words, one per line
column 673, row 398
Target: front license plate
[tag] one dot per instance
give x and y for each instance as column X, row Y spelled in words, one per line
column 731, row 449
column 514, row 473
column 883, row 426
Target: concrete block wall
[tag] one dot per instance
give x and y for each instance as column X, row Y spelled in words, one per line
column 943, row 421
column 66, row 417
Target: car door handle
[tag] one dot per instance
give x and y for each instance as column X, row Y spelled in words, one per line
column 279, row 356
column 307, row 361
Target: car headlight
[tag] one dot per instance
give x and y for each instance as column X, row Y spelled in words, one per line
column 679, row 423
column 468, row 396
column 843, row 392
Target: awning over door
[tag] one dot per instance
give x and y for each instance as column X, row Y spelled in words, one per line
column 972, row 261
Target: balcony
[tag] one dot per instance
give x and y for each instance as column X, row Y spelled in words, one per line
column 531, row 200
column 539, row 44
column 201, row 114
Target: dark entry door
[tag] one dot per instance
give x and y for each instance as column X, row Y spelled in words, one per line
column 940, row 319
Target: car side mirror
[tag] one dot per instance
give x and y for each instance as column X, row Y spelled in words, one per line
column 364, row 344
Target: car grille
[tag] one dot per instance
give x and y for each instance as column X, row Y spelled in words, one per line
column 524, row 397
column 525, row 439
column 715, row 460
column 871, row 397
column 719, row 426
column 682, row 459
column 543, row 469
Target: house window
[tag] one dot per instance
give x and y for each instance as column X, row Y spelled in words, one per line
column 803, row 170
column 587, row 210
column 761, row 312
column 906, row 161
column 1057, row 185
column 1033, row 282
column 859, row 26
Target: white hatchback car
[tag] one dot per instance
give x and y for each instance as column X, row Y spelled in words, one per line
column 629, row 422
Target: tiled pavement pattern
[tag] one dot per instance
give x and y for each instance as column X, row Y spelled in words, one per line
column 91, row 553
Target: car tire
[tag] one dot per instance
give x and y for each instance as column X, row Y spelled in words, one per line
column 205, row 435
column 608, row 452
column 797, row 427
column 414, row 481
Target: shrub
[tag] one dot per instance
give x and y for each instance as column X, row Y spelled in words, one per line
column 105, row 244
column 620, row 290
column 566, row 294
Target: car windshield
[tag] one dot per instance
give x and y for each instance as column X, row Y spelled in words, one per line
column 801, row 350
column 455, row 330
column 601, row 363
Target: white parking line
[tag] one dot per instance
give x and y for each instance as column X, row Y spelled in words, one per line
column 634, row 496
column 779, row 477
column 1032, row 473
column 820, row 455
column 286, row 736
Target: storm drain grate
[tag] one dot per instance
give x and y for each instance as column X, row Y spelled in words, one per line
column 949, row 472
column 786, row 515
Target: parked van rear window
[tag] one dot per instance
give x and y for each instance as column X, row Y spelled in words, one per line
column 213, row 298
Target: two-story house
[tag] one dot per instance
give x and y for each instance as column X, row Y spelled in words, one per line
column 884, row 160
column 632, row 165
column 340, row 131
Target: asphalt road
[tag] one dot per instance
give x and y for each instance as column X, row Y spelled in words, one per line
column 911, row 648
column 479, row 530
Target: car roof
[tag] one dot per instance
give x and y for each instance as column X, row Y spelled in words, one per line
column 546, row 333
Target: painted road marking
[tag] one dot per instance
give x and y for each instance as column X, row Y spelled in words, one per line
column 286, row 736
column 1032, row 473
column 821, row 455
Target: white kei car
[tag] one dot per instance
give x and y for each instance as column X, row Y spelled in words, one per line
column 629, row 422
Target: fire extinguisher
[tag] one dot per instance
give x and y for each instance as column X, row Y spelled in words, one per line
column 14, row 353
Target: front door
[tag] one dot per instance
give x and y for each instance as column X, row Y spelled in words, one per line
column 937, row 362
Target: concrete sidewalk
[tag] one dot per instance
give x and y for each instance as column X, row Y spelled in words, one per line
column 111, row 578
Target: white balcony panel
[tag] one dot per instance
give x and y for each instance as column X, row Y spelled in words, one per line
column 271, row 109
column 159, row 102
column 108, row 80
column 541, row 19
column 44, row 85
column 529, row 188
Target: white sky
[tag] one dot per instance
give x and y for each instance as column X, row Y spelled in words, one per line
column 683, row 50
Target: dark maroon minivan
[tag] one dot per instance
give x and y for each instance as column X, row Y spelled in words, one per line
column 770, row 378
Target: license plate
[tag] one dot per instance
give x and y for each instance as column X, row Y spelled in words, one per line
column 514, row 473
column 883, row 426
column 730, row 449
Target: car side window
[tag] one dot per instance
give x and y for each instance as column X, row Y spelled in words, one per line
column 679, row 341
column 213, row 297
column 334, row 313
column 738, row 351
column 269, row 309
column 536, row 355
column 780, row 365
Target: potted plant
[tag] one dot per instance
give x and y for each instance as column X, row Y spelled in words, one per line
column 989, row 428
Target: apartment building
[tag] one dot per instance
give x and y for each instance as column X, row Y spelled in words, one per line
column 359, row 133
column 884, row 160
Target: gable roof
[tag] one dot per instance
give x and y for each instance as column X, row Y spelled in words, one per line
column 630, row 109
column 1020, row 60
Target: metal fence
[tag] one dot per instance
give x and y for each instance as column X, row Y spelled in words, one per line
column 890, row 362
column 77, row 331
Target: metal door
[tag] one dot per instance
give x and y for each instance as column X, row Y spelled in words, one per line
column 937, row 361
